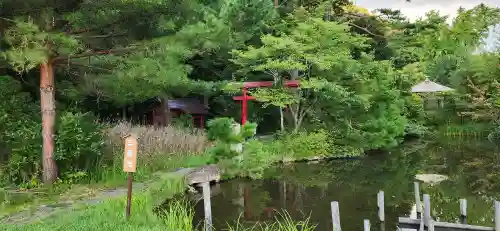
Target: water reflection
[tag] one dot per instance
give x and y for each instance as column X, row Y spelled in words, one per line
column 307, row 189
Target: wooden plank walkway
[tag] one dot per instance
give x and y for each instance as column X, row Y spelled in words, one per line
column 414, row 224
column 424, row 221
column 427, row 223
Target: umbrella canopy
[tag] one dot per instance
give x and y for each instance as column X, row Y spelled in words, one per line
column 429, row 86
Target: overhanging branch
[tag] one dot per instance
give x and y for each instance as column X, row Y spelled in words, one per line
column 87, row 66
column 95, row 53
column 102, row 36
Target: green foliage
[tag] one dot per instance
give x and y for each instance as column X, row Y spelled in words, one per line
column 19, row 134
column 248, row 130
column 305, row 145
column 29, row 45
column 221, row 130
column 415, row 129
column 178, row 215
column 79, row 140
column 369, row 113
column 355, row 72
column 256, row 157
column 79, row 143
column 306, row 47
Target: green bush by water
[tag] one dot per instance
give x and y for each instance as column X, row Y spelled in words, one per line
column 304, row 145
column 256, row 157
column 259, row 155
column 220, row 130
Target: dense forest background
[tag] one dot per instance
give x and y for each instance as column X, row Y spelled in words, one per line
column 72, row 68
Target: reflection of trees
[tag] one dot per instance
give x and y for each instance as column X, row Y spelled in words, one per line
column 306, row 189
column 473, row 167
column 445, row 204
column 354, row 183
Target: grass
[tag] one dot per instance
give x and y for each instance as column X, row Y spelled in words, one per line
column 162, row 149
column 465, row 130
column 282, row 223
column 178, row 216
column 109, row 215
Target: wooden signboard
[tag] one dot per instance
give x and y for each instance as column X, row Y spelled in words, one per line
column 129, row 166
column 130, row 155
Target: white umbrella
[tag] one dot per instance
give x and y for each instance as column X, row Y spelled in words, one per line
column 429, row 86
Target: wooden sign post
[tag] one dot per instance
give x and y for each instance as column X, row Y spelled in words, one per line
column 129, row 166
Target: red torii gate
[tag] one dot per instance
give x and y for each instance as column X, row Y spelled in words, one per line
column 244, row 100
column 246, row 85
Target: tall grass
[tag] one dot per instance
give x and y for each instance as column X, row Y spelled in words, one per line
column 282, row 223
column 167, row 140
column 469, row 130
column 160, row 149
column 178, row 216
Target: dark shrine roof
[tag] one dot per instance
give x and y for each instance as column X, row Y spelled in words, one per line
column 188, row 105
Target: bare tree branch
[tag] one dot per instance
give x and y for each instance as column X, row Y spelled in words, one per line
column 366, row 30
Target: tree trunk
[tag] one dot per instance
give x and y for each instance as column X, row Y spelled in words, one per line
column 48, row 110
column 282, row 120
column 296, row 125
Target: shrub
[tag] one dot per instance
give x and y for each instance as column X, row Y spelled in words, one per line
column 414, row 129
column 306, row 145
column 221, row 131
column 78, row 140
column 20, row 136
column 79, row 143
column 256, row 158
column 22, row 158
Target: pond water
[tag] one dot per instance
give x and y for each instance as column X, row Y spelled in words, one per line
column 306, row 189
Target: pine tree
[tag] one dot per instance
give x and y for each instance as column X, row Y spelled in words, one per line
column 112, row 45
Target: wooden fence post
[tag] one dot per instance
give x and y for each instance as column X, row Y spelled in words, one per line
column 416, row 187
column 366, row 225
column 336, row 216
column 497, row 216
column 380, row 204
column 427, row 213
column 207, row 206
column 463, row 211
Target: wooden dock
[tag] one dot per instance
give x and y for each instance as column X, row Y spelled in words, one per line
column 424, row 220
